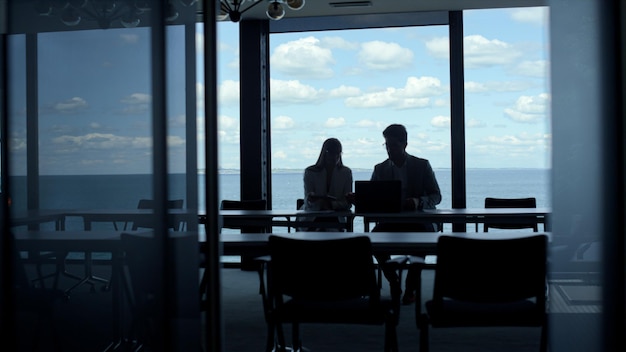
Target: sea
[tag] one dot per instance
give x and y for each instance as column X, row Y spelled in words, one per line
column 124, row 191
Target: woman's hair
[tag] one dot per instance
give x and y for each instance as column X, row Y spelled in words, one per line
column 333, row 146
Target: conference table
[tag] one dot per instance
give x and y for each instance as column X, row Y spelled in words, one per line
column 289, row 218
column 114, row 215
column 39, row 216
column 413, row 243
column 393, row 243
column 464, row 216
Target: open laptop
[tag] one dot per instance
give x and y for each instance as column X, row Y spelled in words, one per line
column 378, row 196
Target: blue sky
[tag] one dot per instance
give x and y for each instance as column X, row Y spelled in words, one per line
column 352, row 84
column 95, row 95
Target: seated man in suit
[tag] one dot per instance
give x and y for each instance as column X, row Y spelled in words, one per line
column 420, row 190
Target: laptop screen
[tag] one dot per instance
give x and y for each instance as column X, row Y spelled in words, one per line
column 378, row 196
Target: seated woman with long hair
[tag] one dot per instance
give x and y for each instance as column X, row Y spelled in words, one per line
column 326, row 183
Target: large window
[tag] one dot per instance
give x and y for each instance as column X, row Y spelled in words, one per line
column 350, row 85
column 507, row 100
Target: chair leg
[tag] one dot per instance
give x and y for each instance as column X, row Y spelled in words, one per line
column 423, row 328
column 280, row 337
column 295, row 337
column 270, row 344
column 391, row 337
column 543, row 343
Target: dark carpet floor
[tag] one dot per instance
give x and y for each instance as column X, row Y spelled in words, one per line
column 86, row 326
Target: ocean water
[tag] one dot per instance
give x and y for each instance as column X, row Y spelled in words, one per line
column 124, row 191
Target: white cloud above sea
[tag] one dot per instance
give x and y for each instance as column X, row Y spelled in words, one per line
column 479, row 51
column 529, row 109
column 72, row 105
column 416, row 93
column 303, row 58
column 379, row 55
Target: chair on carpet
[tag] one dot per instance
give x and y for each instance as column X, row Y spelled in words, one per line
column 488, row 283
column 147, row 289
column 490, row 202
column 245, row 262
column 38, row 303
column 325, row 281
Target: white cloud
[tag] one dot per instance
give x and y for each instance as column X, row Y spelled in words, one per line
column 228, row 93
column 522, row 139
column 333, row 122
column 344, row 91
column 474, row 123
column 136, row 103
column 496, row 86
column 228, row 130
column 529, row 109
column 537, row 68
column 293, row 91
column 378, row 55
column 440, row 122
column 71, row 105
column 479, row 51
column 532, row 15
column 101, row 141
column 280, row 154
column 227, row 123
column 416, row 93
column 482, row 52
column 175, row 141
column 303, row 58
column 283, row 122
column 338, row 43
column 129, row 38
column 369, row 124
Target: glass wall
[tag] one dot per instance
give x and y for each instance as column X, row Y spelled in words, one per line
column 99, row 121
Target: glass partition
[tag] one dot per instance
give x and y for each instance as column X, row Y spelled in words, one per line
column 102, row 174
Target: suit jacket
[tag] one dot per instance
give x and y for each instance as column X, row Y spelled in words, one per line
column 340, row 184
column 421, row 180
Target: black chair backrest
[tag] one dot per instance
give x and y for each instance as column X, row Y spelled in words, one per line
column 254, row 204
column 492, row 270
column 530, row 202
column 149, row 204
column 249, row 204
column 299, row 203
column 322, row 270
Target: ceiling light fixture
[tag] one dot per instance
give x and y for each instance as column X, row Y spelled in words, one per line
column 233, row 9
column 129, row 13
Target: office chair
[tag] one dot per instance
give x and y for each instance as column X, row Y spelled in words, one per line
column 510, row 203
column 39, row 303
column 486, row 283
column 149, row 204
column 298, row 288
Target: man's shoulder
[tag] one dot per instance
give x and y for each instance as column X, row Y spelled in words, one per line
column 414, row 158
column 383, row 163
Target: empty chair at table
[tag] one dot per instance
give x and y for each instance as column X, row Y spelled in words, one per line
column 149, row 204
column 37, row 308
column 491, row 202
column 298, row 287
column 248, row 204
column 488, row 283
